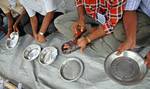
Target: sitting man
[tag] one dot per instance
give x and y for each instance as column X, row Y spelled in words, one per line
column 116, row 41
column 42, row 14
column 16, row 14
column 136, row 26
column 102, row 15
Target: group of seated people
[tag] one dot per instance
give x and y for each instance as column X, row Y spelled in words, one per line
column 108, row 25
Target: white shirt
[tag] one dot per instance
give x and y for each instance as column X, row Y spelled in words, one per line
column 11, row 5
column 144, row 5
column 40, row 6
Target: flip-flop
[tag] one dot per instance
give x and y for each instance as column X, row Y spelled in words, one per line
column 70, row 47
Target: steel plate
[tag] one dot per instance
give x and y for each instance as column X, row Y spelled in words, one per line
column 72, row 69
column 48, row 55
column 12, row 41
column 31, row 52
column 127, row 68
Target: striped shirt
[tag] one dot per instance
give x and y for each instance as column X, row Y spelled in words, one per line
column 143, row 5
column 111, row 9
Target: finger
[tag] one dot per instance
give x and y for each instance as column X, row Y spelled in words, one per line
column 8, row 36
column 120, row 50
column 148, row 55
column 82, row 28
column 17, row 29
column 74, row 28
column 145, row 62
column 13, row 27
column 82, row 49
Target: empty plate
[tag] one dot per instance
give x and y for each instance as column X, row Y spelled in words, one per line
column 48, row 55
column 12, row 41
column 31, row 52
column 72, row 69
column 128, row 68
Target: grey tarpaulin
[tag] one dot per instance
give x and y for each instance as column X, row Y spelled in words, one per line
column 33, row 75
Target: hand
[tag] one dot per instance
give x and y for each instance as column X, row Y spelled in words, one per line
column 15, row 27
column 10, row 23
column 10, row 29
column 82, row 43
column 147, row 60
column 125, row 46
column 78, row 26
column 41, row 38
column 35, row 36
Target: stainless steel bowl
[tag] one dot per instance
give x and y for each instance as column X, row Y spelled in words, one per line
column 12, row 41
column 128, row 68
column 72, row 69
column 48, row 55
column 31, row 52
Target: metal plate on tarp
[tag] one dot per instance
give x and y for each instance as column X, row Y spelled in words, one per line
column 72, row 69
column 48, row 55
column 127, row 68
column 31, row 52
column 12, row 41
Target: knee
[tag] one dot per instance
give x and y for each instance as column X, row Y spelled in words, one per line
column 58, row 22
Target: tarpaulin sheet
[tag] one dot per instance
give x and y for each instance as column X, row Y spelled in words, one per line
column 33, row 75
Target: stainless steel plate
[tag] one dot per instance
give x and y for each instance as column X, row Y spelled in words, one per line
column 127, row 68
column 72, row 69
column 13, row 40
column 31, row 52
column 48, row 55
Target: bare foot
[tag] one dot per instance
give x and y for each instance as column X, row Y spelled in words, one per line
column 147, row 61
column 41, row 38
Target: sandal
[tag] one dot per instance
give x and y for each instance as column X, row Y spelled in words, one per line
column 69, row 47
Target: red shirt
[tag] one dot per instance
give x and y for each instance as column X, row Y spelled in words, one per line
column 111, row 9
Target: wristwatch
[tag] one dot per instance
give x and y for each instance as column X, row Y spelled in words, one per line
column 41, row 33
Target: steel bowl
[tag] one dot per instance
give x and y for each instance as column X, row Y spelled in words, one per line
column 128, row 68
column 31, row 52
column 72, row 69
column 48, row 55
column 12, row 41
